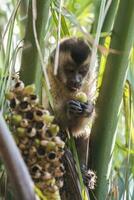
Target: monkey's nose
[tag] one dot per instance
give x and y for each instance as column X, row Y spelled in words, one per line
column 76, row 84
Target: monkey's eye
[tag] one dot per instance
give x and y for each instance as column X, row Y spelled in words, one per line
column 83, row 72
column 70, row 71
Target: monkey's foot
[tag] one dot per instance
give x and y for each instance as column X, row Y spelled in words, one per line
column 89, row 177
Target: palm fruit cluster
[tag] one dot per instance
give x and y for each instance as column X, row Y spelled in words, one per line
column 37, row 138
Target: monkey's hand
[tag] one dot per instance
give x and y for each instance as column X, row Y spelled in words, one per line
column 78, row 109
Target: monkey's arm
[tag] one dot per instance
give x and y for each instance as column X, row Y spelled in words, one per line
column 79, row 116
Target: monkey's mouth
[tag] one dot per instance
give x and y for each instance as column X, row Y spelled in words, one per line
column 73, row 88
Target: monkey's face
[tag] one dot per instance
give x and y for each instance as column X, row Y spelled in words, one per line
column 74, row 75
column 74, row 60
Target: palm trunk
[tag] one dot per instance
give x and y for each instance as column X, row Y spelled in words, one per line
column 109, row 19
column 110, row 98
column 31, row 71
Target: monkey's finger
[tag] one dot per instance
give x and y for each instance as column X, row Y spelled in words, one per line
column 75, row 112
column 75, row 107
column 84, row 104
column 88, row 108
column 73, row 102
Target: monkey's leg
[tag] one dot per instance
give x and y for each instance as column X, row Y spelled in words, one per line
column 89, row 177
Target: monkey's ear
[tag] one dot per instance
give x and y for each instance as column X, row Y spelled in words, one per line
column 52, row 56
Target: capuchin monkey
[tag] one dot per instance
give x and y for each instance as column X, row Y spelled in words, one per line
column 73, row 76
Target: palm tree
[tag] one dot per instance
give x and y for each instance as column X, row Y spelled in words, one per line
column 108, row 27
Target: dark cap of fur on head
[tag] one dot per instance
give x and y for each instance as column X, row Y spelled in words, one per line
column 78, row 48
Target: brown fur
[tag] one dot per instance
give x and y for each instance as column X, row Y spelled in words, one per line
column 61, row 95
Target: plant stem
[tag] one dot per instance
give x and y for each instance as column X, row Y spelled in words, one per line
column 15, row 165
column 31, row 71
column 109, row 19
column 110, row 98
